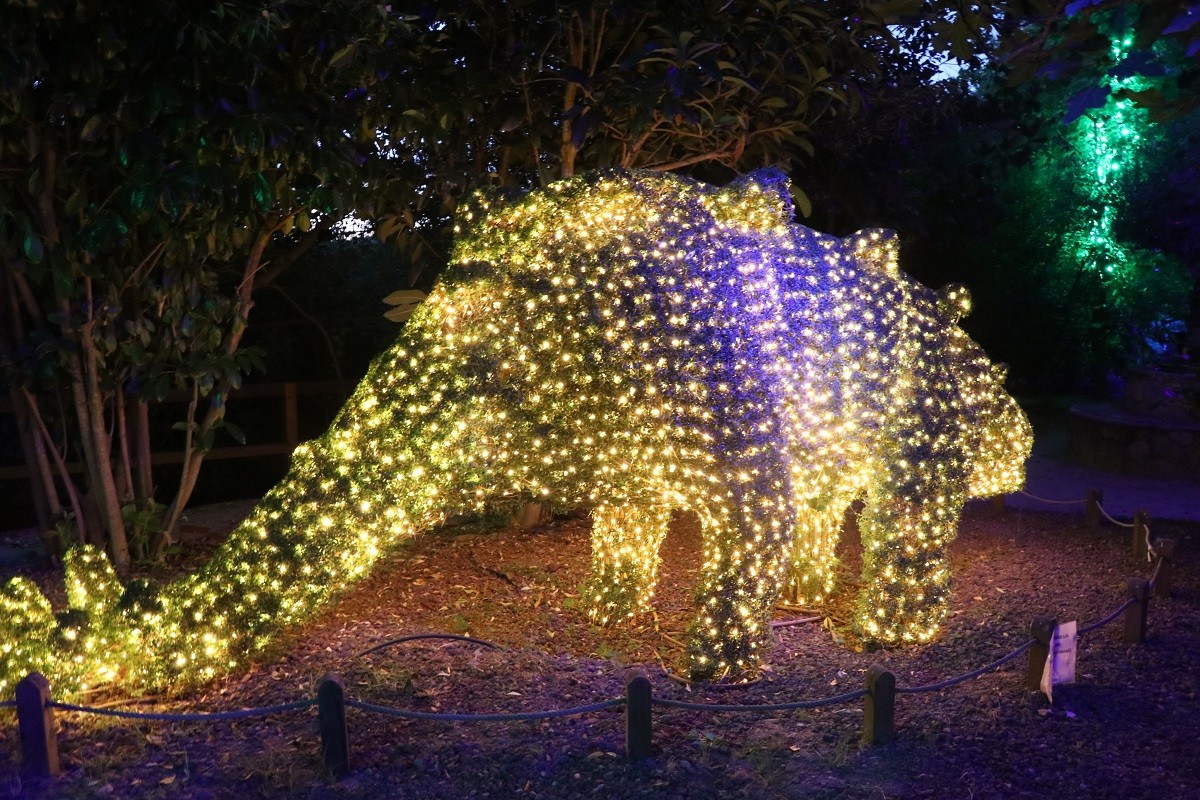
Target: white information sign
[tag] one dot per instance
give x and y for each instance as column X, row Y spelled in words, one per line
column 1060, row 663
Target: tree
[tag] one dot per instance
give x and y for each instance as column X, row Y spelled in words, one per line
column 1066, row 292
column 1069, row 39
column 1164, row 208
column 522, row 92
column 157, row 165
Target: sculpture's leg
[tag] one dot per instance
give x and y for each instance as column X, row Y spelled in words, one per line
column 813, row 553
column 745, row 564
column 906, row 576
column 625, row 542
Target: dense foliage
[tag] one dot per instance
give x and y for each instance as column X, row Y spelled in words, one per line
column 158, row 162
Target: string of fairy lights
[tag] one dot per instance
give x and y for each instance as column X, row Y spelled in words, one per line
column 634, row 343
column 1109, row 144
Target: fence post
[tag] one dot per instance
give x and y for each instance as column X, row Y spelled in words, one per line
column 331, row 712
column 35, row 720
column 879, row 706
column 1135, row 614
column 1041, row 630
column 638, row 701
column 1166, row 556
column 1141, row 526
column 1091, row 512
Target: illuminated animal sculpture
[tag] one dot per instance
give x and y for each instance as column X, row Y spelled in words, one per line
column 635, row 343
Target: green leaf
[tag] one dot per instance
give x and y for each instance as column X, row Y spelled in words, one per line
column 342, row 55
column 237, row 433
column 262, row 192
column 404, row 302
column 75, row 202
column 803, row 204
column 32, row 246
column 92, row 128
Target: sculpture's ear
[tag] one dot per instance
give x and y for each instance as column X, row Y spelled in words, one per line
column 999, row 372
column 878, row 248
column 954, row 300
column 761, row 199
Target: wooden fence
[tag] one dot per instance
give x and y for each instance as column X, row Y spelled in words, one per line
column 288, row 394
column 35, row 705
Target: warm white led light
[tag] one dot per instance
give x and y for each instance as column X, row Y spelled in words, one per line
column 634, row 343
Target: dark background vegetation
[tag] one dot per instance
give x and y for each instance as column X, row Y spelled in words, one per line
column 977, row 173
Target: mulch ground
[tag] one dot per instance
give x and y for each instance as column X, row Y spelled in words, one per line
column 1128, row 728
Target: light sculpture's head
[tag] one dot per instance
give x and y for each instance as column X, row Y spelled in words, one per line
column 998, row 465
column 996, row 460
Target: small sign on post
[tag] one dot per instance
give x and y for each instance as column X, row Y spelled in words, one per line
column 1060, row 662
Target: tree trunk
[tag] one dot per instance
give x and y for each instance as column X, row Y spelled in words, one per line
column 143, row 487
column 41, row 480
column 193, row 457
column 46, row 504
column 124, row 458
column 89, row 411
column 567, row 151
column 48, row 442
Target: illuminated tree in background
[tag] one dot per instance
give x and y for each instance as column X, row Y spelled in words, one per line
column 1110, row 124
column 1118, row 70
column 1108, row 142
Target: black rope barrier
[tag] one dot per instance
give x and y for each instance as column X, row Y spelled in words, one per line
column 1112, row 519
column 764, row 707
column 975, row 673
column 1158, row 567
column 210, row 716
column 496, row 717
column 418, row 636
column 1118, row 611
column 33, row 701
column 1053, row 502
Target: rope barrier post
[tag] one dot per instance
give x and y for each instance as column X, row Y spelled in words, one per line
column 1041, row 630
column 1135, row 615
column 1141, row 525
column 1091, row 511
column 879, row 706
column 331, row 712
column 1166, row 557
column 638, row 701
column 35, row 720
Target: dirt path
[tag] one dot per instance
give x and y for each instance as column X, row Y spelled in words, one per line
column 1127, row 729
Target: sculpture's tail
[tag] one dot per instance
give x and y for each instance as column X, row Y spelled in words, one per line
column 349, row 497
column 308, row 540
